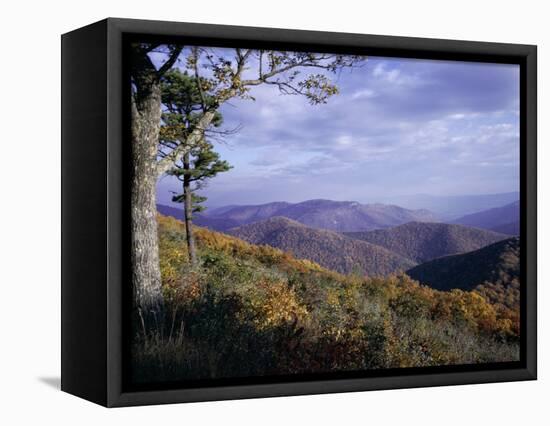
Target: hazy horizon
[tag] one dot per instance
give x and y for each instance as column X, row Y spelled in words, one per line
column 167, row 201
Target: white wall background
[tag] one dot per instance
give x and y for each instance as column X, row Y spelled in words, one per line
column 30, row 211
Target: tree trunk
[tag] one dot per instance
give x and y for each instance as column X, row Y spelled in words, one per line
column 146, row 115
column 188, row 211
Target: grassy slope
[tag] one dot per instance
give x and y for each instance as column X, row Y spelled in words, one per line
column 249, row 310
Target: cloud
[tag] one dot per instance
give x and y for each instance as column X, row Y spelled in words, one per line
column 363, row 94
column 344, row 140
column 397, row 126
column 393, row 76
column 457, row 116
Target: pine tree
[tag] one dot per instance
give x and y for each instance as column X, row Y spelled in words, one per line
column 185, row 104
column 289, row 72
column 196, row 167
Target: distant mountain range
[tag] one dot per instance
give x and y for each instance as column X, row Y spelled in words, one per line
column 511, row 228
column 170, row 211
column 327, row 248
column 504, row 218
column 371, row 239
column 421, row 242
column 321, row 214
column 379, row 252
column 454, row 206
column 497, row 264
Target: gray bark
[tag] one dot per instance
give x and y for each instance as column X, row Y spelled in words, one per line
column 145, row 127
column 146, row 115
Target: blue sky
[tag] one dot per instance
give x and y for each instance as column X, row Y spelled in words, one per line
column 398, row 127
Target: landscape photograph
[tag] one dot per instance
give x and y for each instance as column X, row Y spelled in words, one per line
column 299, row 213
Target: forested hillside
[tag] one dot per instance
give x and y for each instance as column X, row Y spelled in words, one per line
column 498, row 263
column 329, row 249
column 493, row 271
column 421, row 242
column 248, row 310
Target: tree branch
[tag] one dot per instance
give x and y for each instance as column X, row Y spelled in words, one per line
column 197, row 78
column 304, row 63
column 241, row 61
column 170, row 61
column 191, row 142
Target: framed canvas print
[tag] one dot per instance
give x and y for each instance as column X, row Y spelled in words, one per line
column 252, row 212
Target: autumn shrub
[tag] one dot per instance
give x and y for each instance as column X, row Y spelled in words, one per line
column 248, row 310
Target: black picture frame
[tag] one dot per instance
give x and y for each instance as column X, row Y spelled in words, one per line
column 94, row 209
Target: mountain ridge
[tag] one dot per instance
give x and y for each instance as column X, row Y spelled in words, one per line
column 466, row 271
column 449, row 207
column 338, row 216
column 327, row 248
column 421, row 241
column 491, row 218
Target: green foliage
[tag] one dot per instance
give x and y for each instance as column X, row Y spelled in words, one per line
column 185, row 98
column 186, row 104
column 280, row 69
column 204, row 164
column 254, row 310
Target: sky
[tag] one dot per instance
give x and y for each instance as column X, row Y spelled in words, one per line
column 398, row 127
